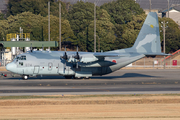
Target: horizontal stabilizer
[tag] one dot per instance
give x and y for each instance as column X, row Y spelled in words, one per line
column 154, row 54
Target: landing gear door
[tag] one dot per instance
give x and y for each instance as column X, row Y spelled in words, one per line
column 36, row 69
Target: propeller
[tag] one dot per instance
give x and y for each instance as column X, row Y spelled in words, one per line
column 65, row 57
column 31, row 47
column 77, row 57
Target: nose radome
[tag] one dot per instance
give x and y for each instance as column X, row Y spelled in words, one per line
column 11, row 67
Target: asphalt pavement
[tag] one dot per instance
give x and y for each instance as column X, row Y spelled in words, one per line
column 154, row 81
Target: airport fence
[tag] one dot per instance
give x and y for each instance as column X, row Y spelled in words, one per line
column 156, row 63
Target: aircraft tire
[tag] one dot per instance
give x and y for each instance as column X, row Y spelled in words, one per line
column 68, row 77
column 25, row 77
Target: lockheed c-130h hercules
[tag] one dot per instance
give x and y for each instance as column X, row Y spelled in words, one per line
column 87, row 64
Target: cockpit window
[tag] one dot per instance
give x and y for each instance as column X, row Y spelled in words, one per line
column 23, row 57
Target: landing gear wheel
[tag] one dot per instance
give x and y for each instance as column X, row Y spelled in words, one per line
column 74, row 77
column 25, row 77
column 68, row 77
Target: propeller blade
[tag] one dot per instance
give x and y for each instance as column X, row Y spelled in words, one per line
column 77, row 65
column 77, row 55
column 65, row 57
column 64, row 66
column 31, row 47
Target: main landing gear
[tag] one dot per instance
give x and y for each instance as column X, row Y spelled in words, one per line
column 73, row 77
column 68, row 77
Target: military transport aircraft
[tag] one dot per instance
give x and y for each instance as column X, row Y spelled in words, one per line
column 87, row 64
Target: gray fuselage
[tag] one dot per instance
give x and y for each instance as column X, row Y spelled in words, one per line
column 50, row 63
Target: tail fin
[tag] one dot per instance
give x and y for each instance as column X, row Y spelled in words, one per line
column 148, row 40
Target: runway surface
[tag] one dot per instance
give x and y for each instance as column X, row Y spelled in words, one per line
column 120, row 82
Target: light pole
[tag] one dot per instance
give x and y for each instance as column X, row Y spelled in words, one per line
column 168, row 8
column 98, row 44
column 59, row 26
column 164, row 26
column 149, row 5
column 49, row 22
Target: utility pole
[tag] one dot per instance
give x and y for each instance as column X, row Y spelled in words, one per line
column 49, row 22
column 98, row 45
column 168, row 8
column 164, row 31
column 59, row 26
column 94, row 26
column 149, row 5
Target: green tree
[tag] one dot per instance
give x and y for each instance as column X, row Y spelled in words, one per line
column 36, row 25
column 127, row 34
column 122, row 11
column 105, row 36
column 81, row 17
column 1, row 16
column 127, row 16
column 172, row 35
column 66, row 31
column 35, row 6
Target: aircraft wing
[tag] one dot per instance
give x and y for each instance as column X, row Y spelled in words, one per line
column 109, row 54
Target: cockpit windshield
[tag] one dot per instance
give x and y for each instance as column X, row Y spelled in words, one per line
column 23, row 57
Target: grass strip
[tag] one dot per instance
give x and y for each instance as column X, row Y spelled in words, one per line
column 80, row 96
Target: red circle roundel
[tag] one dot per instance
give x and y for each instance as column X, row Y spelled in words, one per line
column 114, row 61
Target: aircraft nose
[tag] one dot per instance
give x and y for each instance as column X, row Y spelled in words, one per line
column 10, row 66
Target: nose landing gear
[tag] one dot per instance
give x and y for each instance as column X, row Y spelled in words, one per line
column 25, row 77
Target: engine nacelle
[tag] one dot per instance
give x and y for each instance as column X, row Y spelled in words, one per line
column 87, row 59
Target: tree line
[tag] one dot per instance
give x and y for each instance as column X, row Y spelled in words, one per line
column 117, row 23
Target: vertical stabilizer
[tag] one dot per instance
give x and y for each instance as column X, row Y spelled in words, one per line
column 148, row 40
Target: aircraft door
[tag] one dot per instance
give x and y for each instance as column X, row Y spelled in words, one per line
column 36, row 69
